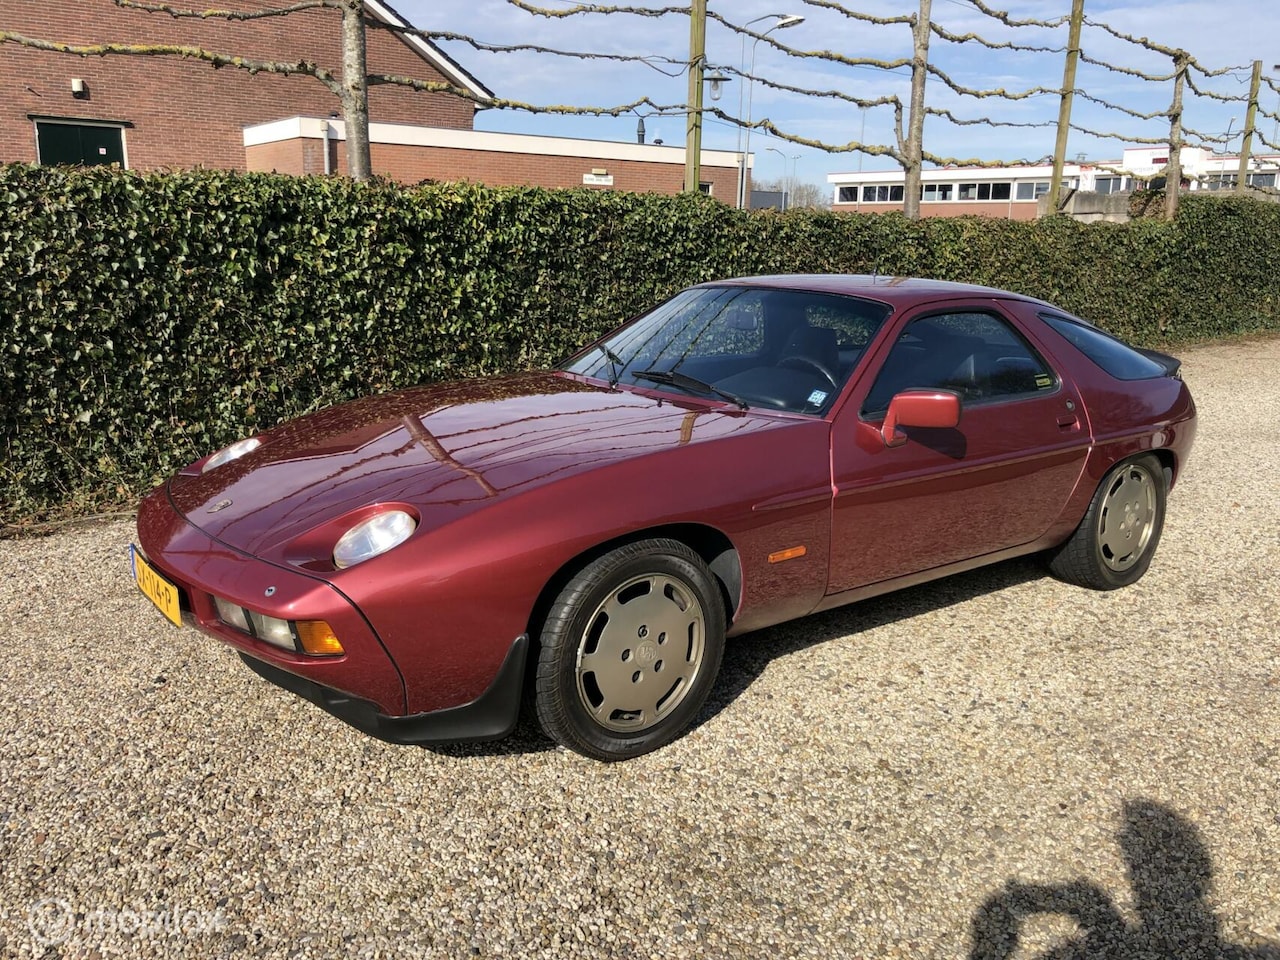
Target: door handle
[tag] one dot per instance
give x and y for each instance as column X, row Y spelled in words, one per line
column 1068, row 421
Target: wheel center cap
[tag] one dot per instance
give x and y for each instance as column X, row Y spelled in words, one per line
column 647, row 652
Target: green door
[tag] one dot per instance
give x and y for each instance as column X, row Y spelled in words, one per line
column 79, row 144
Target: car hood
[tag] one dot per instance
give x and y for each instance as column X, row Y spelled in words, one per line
column 445, row 450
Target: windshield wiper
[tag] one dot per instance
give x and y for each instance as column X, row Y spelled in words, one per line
column 686, row 382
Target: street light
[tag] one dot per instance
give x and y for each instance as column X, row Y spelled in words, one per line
column 1275, row 132
column 784, row 20
column 788, row 183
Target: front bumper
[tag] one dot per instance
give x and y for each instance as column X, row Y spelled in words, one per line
column 363, row 686
column 491, row 716
column 202, row 568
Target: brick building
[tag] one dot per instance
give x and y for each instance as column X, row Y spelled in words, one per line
column 153, row 112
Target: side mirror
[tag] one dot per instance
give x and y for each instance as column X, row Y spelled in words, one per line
column 919, row 408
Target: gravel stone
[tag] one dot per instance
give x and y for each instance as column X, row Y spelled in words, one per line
column 991, row 765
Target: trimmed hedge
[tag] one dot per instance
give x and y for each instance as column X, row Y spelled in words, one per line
column 147, row 319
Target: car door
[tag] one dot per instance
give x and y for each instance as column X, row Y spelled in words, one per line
column 996, row 480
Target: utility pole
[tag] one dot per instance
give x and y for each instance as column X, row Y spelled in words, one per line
column 1173, row 174
column 693, row 131
column 1064, row 105
column 1250, row 118
column 914, row 153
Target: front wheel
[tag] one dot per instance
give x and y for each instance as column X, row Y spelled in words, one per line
column 1117, row 538
column 629, row 650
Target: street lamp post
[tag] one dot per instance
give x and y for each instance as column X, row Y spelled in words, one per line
column 788, row 182
column 784, row 20
column 1275, row 131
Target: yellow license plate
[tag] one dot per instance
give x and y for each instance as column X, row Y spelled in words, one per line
column 156, row 588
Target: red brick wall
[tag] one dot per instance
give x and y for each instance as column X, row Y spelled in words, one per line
column 186, row 113
column 411, row 164
column 1000, row 209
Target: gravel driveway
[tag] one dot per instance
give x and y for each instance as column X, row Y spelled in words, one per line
column 960, row 769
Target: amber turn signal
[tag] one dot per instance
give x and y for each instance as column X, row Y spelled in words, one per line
column 789, row 554
column 318, row 639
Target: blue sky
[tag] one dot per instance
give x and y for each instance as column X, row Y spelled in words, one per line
column 1218, row 34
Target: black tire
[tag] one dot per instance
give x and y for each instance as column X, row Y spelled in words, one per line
column 629, row 650
column 1117, row 538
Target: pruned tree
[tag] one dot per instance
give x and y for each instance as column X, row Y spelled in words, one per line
column 351, row 87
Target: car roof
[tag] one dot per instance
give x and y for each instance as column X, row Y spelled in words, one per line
column 897, row 291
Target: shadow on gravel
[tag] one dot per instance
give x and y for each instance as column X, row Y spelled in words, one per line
column 747, row 656
column 1170, row 871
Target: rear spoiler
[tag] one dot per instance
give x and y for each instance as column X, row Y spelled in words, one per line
column 1171, row 364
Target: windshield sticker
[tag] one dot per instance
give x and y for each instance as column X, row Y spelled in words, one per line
column 817, row 397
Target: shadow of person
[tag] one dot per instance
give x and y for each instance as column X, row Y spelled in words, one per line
column 1170, row 871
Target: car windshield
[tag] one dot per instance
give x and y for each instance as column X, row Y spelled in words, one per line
column 779, row 349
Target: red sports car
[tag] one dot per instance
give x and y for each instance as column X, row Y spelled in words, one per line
column 748, row 452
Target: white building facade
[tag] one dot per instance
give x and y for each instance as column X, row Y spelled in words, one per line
column 1012, row 192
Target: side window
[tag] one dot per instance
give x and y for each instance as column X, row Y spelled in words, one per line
column 1112, row 355
column 978, row 355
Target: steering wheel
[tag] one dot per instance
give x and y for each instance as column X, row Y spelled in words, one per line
column 800, row 360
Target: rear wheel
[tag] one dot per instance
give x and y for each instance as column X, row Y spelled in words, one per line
column 629, row 650
column 1117, row 538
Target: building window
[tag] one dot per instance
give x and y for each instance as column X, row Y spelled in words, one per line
column 74, row 143
column 1033, row 191
column 984, row 191
column 704, row 187
column 882, row 193
column 936, row 192
column 847, row 195
column 1261, row 180
column 1109, row 184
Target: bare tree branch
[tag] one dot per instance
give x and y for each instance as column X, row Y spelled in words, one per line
column 985, row 121
column 1211, row 95
column 1149, row 77
column 1155, row 114
column 1008, row 21
column 826, row 55
column 947, row 35
column 283, row 67
column 500, row 103
column 985, row 94
column 582, row 8
column 647, row 59
column 214, row 14
column 855, row 15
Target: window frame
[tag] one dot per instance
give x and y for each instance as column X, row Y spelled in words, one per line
column 120, row 126
column 1000, row 317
